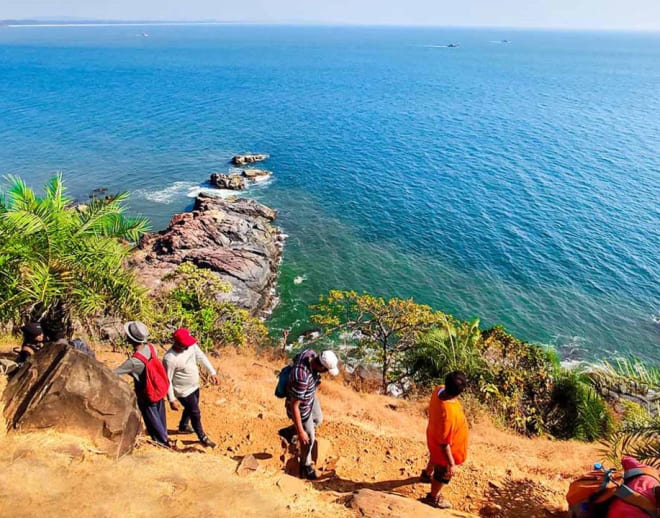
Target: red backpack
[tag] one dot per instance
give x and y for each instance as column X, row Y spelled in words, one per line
column 156, row 382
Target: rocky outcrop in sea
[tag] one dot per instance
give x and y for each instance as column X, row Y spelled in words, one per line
column 232, row 237
column 237, row 181
column 240, row 160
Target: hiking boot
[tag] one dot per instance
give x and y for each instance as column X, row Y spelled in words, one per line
column 437, row 502
column 186, row 428
column 308, row 473
column 424, row 477
column 207, row 442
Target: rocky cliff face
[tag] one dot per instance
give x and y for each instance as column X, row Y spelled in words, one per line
column 233, row 238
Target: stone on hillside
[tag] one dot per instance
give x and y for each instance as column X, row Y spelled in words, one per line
column 247, row 159
column 376, row 504
column 248, row 465
column 65, row 390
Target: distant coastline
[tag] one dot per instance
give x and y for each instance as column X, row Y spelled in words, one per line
column 108, row 23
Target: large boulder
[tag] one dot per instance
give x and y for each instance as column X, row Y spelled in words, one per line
column 377, row 504
column 233, row 238
column 66, row 390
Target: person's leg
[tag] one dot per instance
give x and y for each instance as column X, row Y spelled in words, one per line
column 440, row 479
column 154, row 419
column 427, row 472
column 306, row 449
column 317, row 414
column 146, row 417
column 191, row 407
column 184, row 422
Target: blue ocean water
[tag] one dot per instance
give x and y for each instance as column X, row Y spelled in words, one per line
column 516, row 182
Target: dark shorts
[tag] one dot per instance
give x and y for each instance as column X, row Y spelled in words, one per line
column 440, row 474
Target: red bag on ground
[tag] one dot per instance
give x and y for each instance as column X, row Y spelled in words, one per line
column 644, row 484
column 605, row 493
column 156, row 382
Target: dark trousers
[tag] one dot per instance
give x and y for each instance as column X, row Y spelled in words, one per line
column 154, row 419
column 191, row 413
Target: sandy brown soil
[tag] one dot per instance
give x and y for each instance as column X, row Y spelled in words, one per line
column 366, row 441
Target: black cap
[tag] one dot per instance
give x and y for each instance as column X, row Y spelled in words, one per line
column 33, row 329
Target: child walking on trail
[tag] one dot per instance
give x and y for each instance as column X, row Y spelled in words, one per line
column 446, row 437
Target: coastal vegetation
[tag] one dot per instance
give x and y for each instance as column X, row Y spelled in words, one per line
column 66, row 263
column 523, row 385
column 193, row 302
column 62, row 263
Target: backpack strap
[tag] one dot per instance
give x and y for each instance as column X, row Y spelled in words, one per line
column 637, row 472
column 142, row 357
column 634, row 498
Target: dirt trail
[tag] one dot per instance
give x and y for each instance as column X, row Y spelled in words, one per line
column 366, row 441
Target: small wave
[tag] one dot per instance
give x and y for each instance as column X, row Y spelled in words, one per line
column 167, row 195
column 212, row 191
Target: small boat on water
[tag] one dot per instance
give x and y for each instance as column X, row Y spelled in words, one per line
column 453, row 46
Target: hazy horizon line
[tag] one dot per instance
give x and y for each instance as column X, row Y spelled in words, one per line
column 63, row 21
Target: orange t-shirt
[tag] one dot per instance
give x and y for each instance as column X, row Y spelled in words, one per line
column 447, row 425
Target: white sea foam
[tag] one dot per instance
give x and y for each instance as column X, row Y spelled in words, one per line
column 211, row 191
column 167, row 195
column 299, row 279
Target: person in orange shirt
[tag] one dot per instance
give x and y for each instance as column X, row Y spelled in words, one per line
column 446, row 437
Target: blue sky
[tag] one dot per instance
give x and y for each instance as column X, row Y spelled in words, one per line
column 569, row 14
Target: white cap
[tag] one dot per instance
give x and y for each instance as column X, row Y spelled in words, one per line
column 329, row 360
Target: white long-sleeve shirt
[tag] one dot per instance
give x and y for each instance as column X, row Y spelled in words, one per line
column 183, row 372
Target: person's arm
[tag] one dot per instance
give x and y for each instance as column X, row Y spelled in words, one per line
column 200, row 357
column 297, row 420
column 450, row 459
column 126, row 368
column 169, row 368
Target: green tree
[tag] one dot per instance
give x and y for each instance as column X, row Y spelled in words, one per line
column 385, row 328
column 60, row 263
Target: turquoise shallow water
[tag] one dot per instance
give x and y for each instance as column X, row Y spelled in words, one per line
column 517, row 182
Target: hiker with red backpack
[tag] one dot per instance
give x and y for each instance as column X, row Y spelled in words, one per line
column 150, row 380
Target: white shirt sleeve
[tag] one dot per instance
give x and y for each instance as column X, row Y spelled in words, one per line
column 169, row 368
column 200, row 357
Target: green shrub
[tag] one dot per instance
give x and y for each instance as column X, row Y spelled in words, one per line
column 576, row 410
column 193, row 302
column 451, row 347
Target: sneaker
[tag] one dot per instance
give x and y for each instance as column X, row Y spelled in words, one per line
column 207, row 442
column 424, row 477
column 438, row 502
column 308, row 473
column 187, row 428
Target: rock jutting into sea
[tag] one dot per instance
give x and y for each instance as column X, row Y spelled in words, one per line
column 236, row 181
column 248, row 159
column 232, row 237
column 256, row 175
